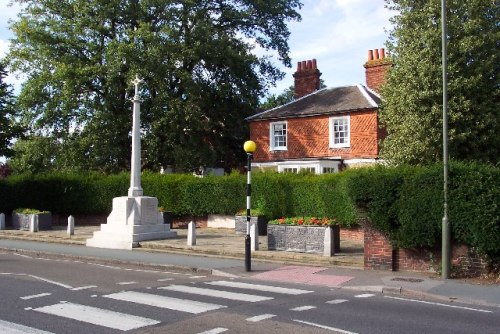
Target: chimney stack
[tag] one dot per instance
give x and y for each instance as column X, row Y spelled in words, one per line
column 306, row 78
column 376, row 68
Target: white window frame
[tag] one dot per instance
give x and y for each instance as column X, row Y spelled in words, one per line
column 347, row 142
column 272, row 138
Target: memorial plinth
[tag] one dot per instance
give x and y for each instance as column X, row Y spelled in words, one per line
column 132, row 220
column 135, row 217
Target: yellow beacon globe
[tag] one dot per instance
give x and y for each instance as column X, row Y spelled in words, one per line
column 249, row 146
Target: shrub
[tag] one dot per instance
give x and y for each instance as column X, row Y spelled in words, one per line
column 305, row 221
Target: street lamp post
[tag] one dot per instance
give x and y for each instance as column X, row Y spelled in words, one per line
column 445, row 226
column 249, row 148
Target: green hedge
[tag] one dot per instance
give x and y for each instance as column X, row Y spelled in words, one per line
column 404, row 202
column 407, row 204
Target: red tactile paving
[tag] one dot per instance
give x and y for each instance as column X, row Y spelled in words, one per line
column 298, row 274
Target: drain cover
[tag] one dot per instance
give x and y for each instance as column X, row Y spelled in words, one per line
column 407, row 279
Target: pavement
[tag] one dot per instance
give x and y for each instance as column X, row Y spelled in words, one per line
column 221, row 252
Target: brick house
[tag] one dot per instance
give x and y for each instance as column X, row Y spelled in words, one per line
column 322, row 130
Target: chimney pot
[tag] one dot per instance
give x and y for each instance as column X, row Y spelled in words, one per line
column 370, row 55
column 307, row 78
column 376, row 54
column 382, row 53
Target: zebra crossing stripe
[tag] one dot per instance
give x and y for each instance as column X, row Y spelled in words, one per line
column 260, row 287
column 12, row 328
column 36, row 296
column 216, row 293
column 214, row 331
column 97, row 316
column 176, row 304
column 258, row 318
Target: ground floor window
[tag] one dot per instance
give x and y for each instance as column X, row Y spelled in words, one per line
column 329, row 170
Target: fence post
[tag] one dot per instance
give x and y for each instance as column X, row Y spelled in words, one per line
column 34, row 223
column 191, row 239
column 71, row 225
column 254, row 236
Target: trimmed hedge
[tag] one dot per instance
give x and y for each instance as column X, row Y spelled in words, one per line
column 404, row 202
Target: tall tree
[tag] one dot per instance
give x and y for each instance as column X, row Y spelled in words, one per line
column 9, row 129
column 412, row 107
column 195, row 56
column 287, row 96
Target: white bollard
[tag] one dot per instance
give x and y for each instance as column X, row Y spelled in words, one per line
column 191, row 240
column 328, row 242
column 34, row 223
column 2, row 221
column 254, row 236
column 71, row 225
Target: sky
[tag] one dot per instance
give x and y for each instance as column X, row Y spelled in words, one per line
column 337, row 33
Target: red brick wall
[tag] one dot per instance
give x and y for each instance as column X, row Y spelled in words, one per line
column 352, row 233
column 308, row 137
column 379, row 255
column 377, row 250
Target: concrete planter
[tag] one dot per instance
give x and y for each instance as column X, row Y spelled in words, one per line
column 240, row 224
column 21, row 221
column 304, row 239
column 168, row 217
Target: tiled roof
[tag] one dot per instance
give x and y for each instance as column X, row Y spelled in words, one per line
column 327, row 101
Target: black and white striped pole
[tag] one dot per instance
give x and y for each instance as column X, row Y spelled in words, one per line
column 249, row 148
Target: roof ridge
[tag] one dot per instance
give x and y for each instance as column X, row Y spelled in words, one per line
column 364, row 90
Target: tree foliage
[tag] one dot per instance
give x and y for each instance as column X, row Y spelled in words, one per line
column 412, row 107
column 200, row 76
column 8, row 127
column 273, row 100
column 287, row 96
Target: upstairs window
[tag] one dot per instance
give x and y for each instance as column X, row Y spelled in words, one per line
column 278, row 136
column 339, row 132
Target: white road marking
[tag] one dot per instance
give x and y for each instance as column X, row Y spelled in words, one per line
column 36, row 296
column 197, row 276
column 146, row 271
column 364, row 295
column 337, row 301
column 440, row 304
column 84, row 287
column 12, row 328
column 216, row 293
column 259, row 287
column 52, row 282
column 22, row 255
column 97, row 316
column 126, row 283
column 165, row 279
column 333, row 329
column 261, row 317
column 303, row 308
column 176, row 304
column 214, row 331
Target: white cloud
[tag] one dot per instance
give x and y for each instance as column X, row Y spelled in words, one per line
column 338, row 33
